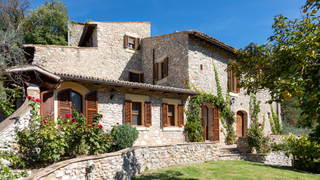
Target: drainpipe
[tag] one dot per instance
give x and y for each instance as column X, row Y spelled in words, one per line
column 153, row 66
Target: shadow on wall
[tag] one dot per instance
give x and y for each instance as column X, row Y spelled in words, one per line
column 134, row 63
column 169, row 174
column 130, row 167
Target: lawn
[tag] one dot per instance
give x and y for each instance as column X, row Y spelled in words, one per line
column 225, row 170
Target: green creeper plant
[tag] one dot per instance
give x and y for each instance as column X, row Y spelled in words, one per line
column 276, row 125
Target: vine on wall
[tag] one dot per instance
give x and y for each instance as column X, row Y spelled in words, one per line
column 276, row 125
column 194, row 126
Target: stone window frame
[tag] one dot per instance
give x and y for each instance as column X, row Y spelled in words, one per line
column 233, row 82
column 140, row 73
column 141, row 99
column 135, row 49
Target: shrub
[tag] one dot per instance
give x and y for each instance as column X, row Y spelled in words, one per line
column 123, row 136
column 306, row 153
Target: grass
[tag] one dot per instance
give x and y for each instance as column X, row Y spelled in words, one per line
column 225, row 170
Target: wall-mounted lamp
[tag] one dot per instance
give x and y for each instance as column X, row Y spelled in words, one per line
column 232, row 100
column 113, row 92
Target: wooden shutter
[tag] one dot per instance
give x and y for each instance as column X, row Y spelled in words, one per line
column 91, row 107
column 165, row 114
column 155, row 67
column 126, row 41
column 203, row 118
column 130, row 76
column 238, row 87
column 142, row 77
column 47, row 107
column 147, row 113
column 64, row 97
column 137, row 44
column 165, row 66
column 245, row 126
column 128, row 112
column 231, row 80
column 216, row 124
column 180, row 115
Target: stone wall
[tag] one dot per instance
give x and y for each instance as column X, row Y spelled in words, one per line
column 109, row 60
column 175, row 47
column 273, row 158
column 76, row 30
column 126, row 163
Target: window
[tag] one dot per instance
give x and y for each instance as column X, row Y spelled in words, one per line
column 233, row 82
column 136, row 77
column 138, row 113
column 172, row 114
column 68, row 99
column 161, row 69
column 201, row 67
column 132, row 42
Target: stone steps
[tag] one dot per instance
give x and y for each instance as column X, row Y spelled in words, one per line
column 229, row 157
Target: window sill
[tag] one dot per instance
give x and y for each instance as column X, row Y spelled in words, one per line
column 234, row 94
column 161, row 81
column 142, row 128
column 132, row 51
column 172, row 128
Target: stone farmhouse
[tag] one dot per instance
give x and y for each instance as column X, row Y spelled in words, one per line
column 117, row 69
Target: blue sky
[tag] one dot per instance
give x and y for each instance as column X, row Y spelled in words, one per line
column 235, row 22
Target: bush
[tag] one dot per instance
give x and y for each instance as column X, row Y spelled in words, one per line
column 123, row 136
column 305, row 152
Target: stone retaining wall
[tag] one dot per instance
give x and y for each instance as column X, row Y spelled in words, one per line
column 273, row 158
column 126, row 163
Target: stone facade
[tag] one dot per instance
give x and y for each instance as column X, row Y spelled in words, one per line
column 76, row 30
column 126, row 163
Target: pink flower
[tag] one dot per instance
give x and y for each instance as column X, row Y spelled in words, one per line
column 269, row 148
column 38, row 100
column 266, row 146
column 45, row 121
column 259, row 124
column 117, row 123
column 274, row 139
column 29, row 97
column 101, row 116
column 74, row 120
column 100, row 126
column 65, row 123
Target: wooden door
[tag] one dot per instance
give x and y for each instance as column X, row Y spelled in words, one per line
column 216, row 130
column 239, row 124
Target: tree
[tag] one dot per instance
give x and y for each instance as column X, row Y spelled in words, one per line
column 12, row 19
column 288, row 65
column 48, row 24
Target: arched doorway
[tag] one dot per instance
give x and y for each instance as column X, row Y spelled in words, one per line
column 242, row 124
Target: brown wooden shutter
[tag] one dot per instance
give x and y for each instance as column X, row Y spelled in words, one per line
column 231, row 79
column 128, row 112
column 126, row 41
column 130, row 76
column 91, row 107
column 155, row 67
column 64, row 97
column 237, row 85
column 142, row 77
column 216, row 124
column 180, row 115
column 47, row 107
column 165, row 66
column 245, row 126
column 137, row 44
column 165, row 114
column 147, row 113
column 203, row 118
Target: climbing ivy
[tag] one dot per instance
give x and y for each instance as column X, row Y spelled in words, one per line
column 194, row 127
column 276, row 125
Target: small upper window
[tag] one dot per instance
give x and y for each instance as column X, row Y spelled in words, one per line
column 132, row 42
column 161, row 69
column 233, row 83
column 136, row 77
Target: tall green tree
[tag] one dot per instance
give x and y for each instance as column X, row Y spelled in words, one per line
column 288, row 65
column 48, row 24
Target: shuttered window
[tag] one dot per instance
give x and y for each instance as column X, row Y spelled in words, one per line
column 128, row 112
column 64, row 97
column 148, row 113
column 171, row 115
column 161, row 69
column 165, row 114
column 91, row 107
column 136, row 113
column 47, row 107
column 136, row 77
column 180, row 115
column 233, row 82
column 132, row 42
